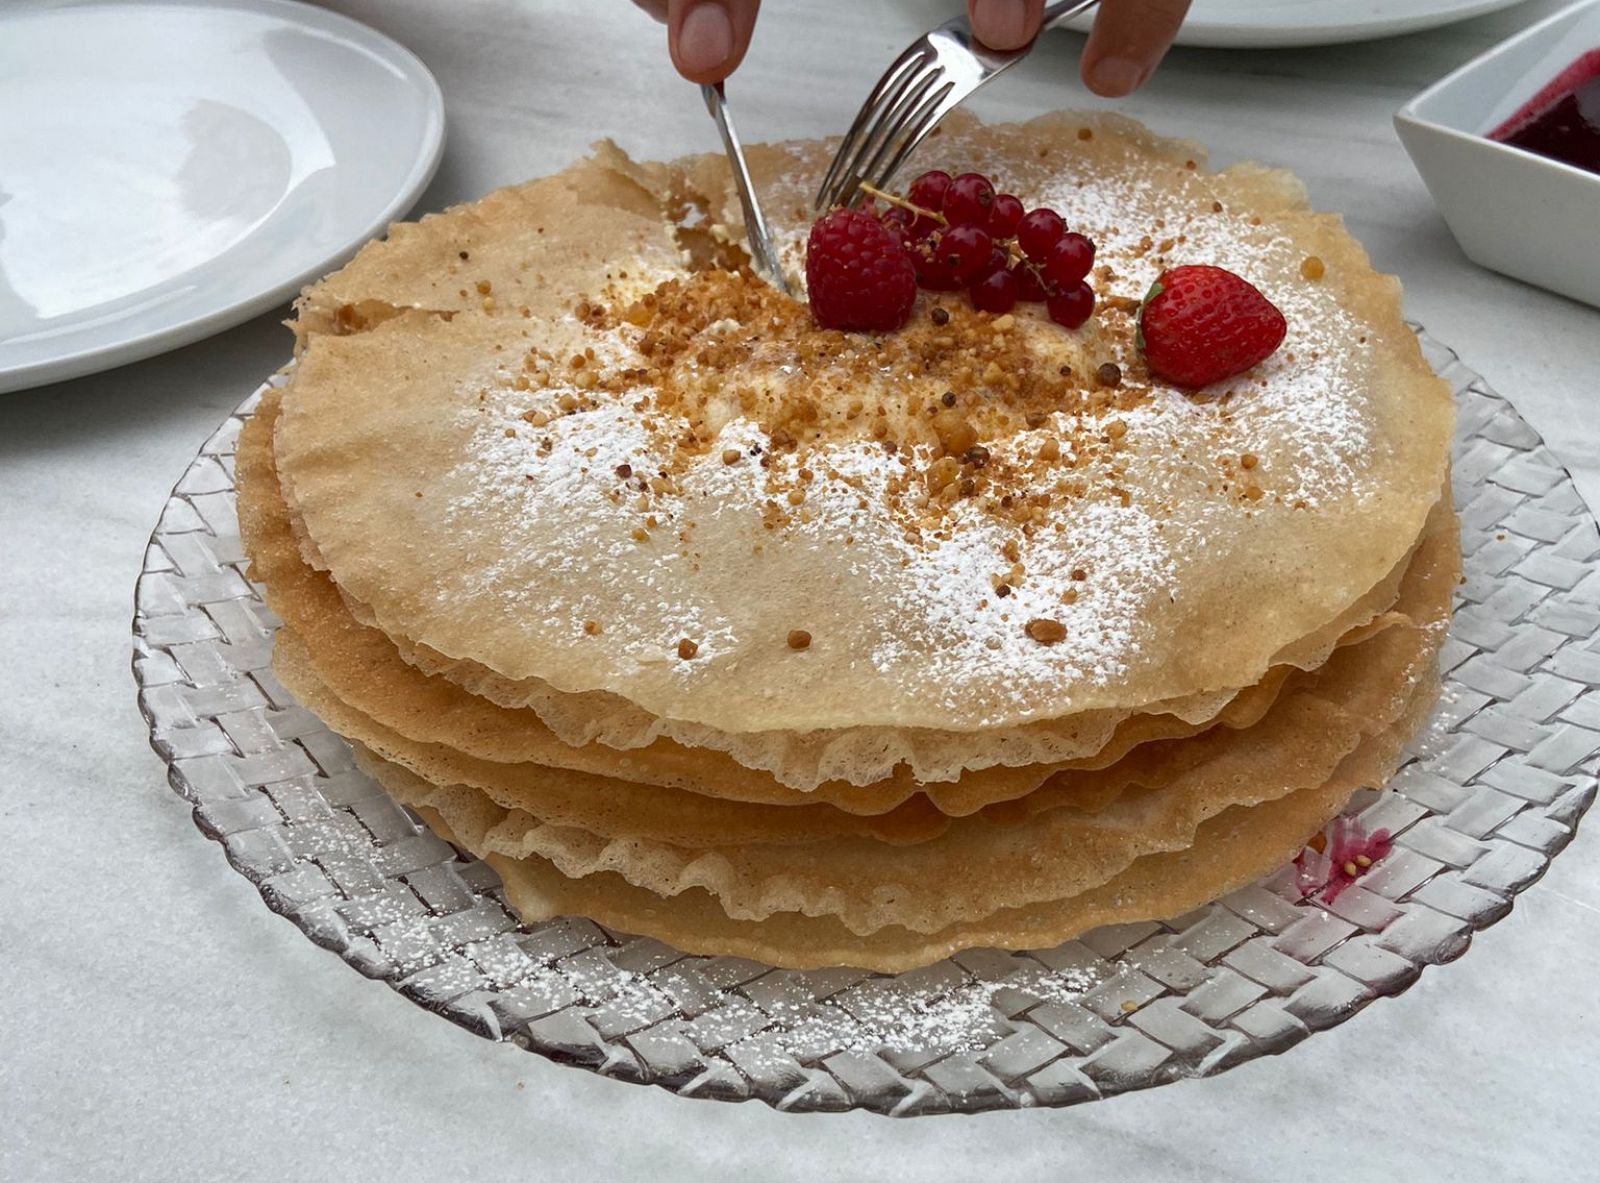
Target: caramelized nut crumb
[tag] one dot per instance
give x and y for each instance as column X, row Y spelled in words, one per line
column 1046, row 631
column 687, row 649
column 730, row 455
column 1109, row 375
column 799, row 639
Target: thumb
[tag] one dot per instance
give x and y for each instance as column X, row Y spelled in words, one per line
column 708, row 38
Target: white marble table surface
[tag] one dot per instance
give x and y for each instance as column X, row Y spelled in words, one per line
column 158, row 1022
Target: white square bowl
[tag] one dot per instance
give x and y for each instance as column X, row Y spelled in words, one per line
column 1521, row 214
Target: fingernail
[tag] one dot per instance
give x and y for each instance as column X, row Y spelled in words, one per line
column 1001, row 24
column 1114, row 77
column 705, row 39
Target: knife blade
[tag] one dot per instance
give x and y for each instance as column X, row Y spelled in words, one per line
column 763, row 254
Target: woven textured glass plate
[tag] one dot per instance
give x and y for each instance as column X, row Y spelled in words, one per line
column 1492, row 791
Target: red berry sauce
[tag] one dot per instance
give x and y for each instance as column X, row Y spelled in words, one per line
column 1562, row 121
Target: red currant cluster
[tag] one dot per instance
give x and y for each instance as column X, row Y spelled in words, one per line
column 961, row 233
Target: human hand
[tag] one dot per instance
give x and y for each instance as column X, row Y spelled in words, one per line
column 1129, row 40
column 708, row 38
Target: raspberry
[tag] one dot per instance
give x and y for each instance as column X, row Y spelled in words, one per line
column 1071, row 307
column 995, row 292
column 1038, row 231
column 928, row 190
column 858, row 275
column 1004, row 216
column 1069, row 260
column 1201, row 324
column 968, row 200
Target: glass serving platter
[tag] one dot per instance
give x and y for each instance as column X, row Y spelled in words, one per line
column 1492, row 790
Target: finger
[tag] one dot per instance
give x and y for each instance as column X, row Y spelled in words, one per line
column 1129, row 40
column 1005, row 24
column 656, row 8
column 708, row 38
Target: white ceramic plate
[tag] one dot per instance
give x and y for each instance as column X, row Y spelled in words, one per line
column 169, row 168
column 1251, row 24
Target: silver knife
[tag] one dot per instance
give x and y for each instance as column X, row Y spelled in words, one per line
column 762, row 253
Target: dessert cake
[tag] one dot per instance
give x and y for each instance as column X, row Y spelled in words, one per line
column 1004, row 589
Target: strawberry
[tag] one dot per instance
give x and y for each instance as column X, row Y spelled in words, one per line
column 858, row 275
column 1199, row 325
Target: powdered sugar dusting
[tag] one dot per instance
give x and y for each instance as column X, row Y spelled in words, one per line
column 941, row 1011
column 645, row 562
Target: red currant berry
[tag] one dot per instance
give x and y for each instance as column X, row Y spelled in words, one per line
column 1004, row 215
column 1071, row 307
column 916, row 226
column 1039, row 230
column 898, row 228
column 995, row 292
column 932, row 272
column 928, row 190
column 998, row 261
column 1069, row 260
column 1030, row 288
column 964, row 250
column 968, row 200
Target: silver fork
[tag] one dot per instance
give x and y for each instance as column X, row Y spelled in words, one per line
column 935, row 75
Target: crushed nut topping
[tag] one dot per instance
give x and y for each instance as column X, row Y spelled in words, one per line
column 1046, row 631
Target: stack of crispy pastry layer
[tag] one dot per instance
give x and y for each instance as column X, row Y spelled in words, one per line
column 828, row 648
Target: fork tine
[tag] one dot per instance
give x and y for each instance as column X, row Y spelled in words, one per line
column 907, row 133
column 889, row 88
column 893, row 82
column 943, row 103
column 887, row 126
